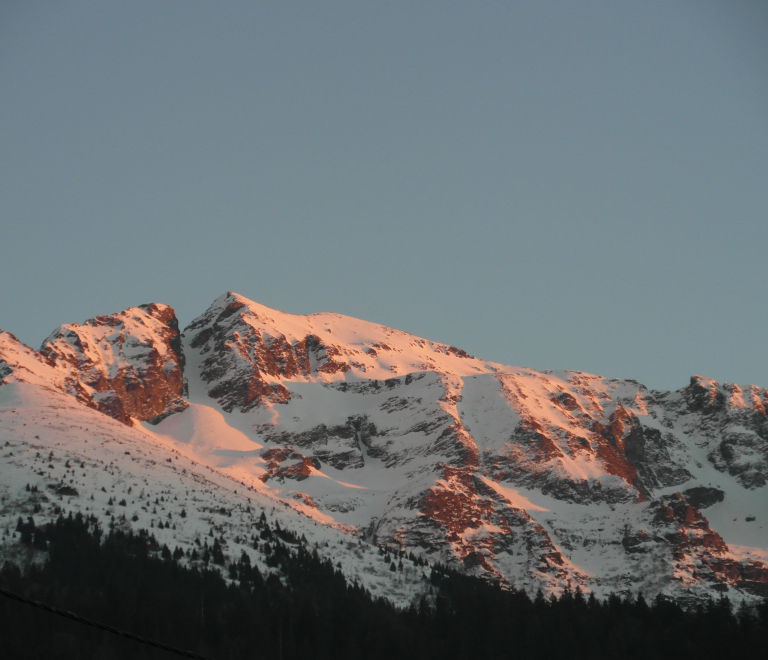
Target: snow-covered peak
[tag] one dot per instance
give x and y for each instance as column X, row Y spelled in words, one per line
column 369, row 350
column 128, row 364
column 242, row 354
column 138, row 326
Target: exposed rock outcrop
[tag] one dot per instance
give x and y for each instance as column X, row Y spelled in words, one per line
column 127, row 365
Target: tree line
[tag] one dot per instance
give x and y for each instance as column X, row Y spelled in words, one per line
column 308, row 610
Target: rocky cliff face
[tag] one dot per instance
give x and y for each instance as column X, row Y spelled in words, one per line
column 533, row 479
column 735, row 426
column 127, row 365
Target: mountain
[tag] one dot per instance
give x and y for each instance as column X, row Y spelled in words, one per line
column 372, row 444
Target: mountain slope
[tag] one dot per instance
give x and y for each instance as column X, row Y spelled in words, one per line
column 534, row 479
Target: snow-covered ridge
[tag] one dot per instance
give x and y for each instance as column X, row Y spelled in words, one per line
column 19, row 363
column 537, row 479
column 59, row 455
column 241, row 341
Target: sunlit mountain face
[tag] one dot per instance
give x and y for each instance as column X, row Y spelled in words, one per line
column 374, row 445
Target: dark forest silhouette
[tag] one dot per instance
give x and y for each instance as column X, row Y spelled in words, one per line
column 128, row 581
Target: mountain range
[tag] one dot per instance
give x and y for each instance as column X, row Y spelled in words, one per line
column 376, row 446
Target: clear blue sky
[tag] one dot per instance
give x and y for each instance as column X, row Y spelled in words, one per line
column 552, row 184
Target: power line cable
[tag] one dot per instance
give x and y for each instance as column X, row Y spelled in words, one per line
column 100, row 626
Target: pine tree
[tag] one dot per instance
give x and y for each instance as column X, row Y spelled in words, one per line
column 217, row 555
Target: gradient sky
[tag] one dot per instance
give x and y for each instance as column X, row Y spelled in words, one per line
column 578, row 185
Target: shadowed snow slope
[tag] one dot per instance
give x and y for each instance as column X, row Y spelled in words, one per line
column 355, row 431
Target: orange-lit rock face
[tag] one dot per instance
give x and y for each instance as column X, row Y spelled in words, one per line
column 455, row 505
column 480, row 525
column 737, row 419
column 128, row 365
column 242, row 363
column 583, row 425
column 699, row 551
column 298, row 469
column 686, row 528
column 557, row 427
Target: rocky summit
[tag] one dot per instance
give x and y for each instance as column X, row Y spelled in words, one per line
column 373, row 445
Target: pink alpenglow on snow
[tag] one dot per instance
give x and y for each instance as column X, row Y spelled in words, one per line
column 356, row 432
